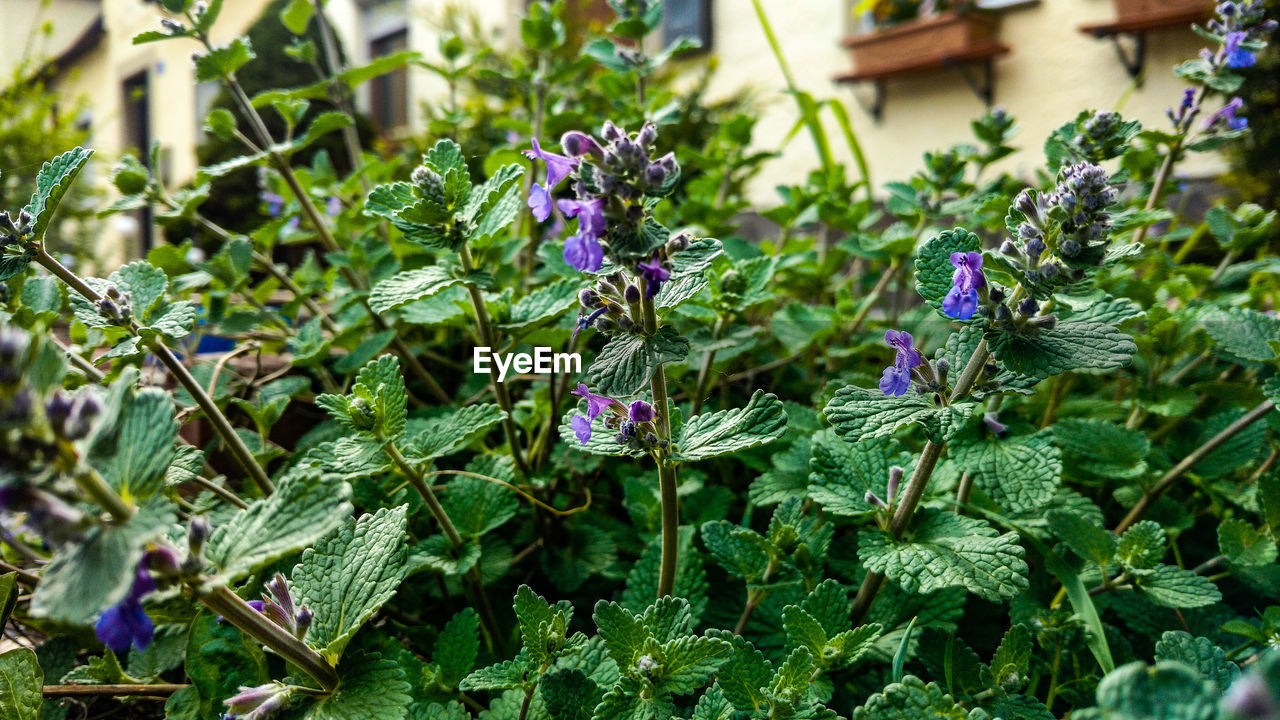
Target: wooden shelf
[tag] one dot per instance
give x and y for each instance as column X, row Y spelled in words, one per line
column 1134, row 60
column 980, row 55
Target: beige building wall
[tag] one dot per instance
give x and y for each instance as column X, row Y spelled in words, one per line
column 1052, row 72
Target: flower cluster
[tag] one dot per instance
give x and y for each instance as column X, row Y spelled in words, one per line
column 1240, row 26
column 277, row 604
column 256, row 703
column 634, row 422
column 612, row 178
column 607, row 304
column 895, row 381
column 1080, row 201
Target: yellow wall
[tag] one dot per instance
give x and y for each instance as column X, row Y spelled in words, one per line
column 1052, row 73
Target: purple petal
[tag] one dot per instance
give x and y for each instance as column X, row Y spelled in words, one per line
column 641, row 411
column 895, row 381
column 960, row 305
column 581, row 427
column 583, row 253
column 540, row 202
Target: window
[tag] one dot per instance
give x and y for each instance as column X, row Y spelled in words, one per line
column 389, row 93
column 137, row 135
column 687, row 18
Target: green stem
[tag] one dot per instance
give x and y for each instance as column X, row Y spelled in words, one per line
column 451, row 533
column 668, row 482
column 1174, row 474
column 499, row 388
column 919, row 482
column 158, row 690
column 256, row 625
column 180, row 373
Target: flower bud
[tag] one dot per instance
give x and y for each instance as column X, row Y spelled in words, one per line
column 56, row 410
column 996, row 295
column 895, row 478
column 994, row 425
column 655, row 175
column 576, row 143
column 648, row 135
column 24, row 220
column 173, row 26
column 626, row 324
column 631, row 294
column 678, row 242
column 83, row 412
column 1048, row 322
column 873, row 499
column 303, row 622
column 589, row 298
column 1009, row 248
column 607, row 325
column 1069, row 248
column 606, row 287
column 1050, row 270
column 611, row 132
column 197, row 533
column 1028, row 307
column 362, row 415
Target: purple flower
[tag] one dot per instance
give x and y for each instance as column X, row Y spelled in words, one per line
column 654, row 275
column 641, row 412
column 576, row 143
column 583, row 253
column 586, row 321
column 256, row 703
column 126, row 623
column 1237, row 57
column 961, row 301
column 1227, row 114
column 596, row 404
column 582, row 428
column 539, row 202
column 558, row 166
column 590, row 214
column 896, row 379
column 333, row 206
column 275, row 203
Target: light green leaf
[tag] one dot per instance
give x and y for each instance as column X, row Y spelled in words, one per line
column 842, row 472
column 689, row 662
column 1070, row 346
column 1165, row 691
column 296, row 15
column 305, row 507
column 624, row 367
column 1019, row 473
column 52, row 182
column 1085, row 537
column 133, row 446
column 457, row 647
column 21, row 685
column 744, row 676
column 372, row 688
column 948, row 550
column 709, row 435
column 224, row 61
column 1142, row 546
column 347, row 577
column 544, row 304
column 860, row 414
column 910, row 699
column 1200, row 653
column 447, row 434
column 409, row 286
column 1243, row 333
column 740, row 550
column 1174, row 587
column 1245, row 545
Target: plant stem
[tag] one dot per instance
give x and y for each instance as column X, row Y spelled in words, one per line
column 919, row 482
column 159, row 690
column 256, row 625
column 180, row 373
column 499, row 388
column 1173, row 475
column 700, row 388
column 455, row 538
column 755, row 596
column 668, row 482
column 963, row 492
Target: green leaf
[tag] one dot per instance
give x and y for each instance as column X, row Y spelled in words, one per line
column 1200, row 653
column 569, row 694
column 457, row 647
column 1142, row 546
column 21, row 685
column 1165, row 691
column 744, row 676
column 133, row 446
column 1085, row 537
column 740, row 550
column 478, row 506
column 543, row 627
column 709, row 435
column 86, row 578
column 543, row 304
column 224, row 61
column 1269, row 501
column 1174, row 587
column 506, row 675
column 1070, row 346
column 1019, row 473
column 1244, row 545
column 52, row 182
column 8, row 596
column 689, row 662
column 42, row 294
column 910, row 699
column 220, row 659
column 409, row 286
column 860, row 414
column 1098, row 447
column 376, row 405
column 1010, row 664
column 1243, row 333
column 934, row 271
column 691, row 579
column 296, row 15
column 624, row 367
column 447, row 434
column 372, row 688
column 305, row 507
column 348, row 576
column 843, row 472
column 948, row 550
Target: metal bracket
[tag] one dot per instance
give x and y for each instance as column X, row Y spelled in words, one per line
column 985, row 87
column 875, row 108
column 1135, row 62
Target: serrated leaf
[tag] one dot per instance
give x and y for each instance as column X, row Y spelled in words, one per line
column 506, row 675
column 1086, row 538
column 1244, row 545
column 1019, row 473
column 1102, row 448
column 709, row 435
column 223, row 61
column 1070, row 346
column 52, row 182
column 947, row 550
column 689, row 662
column 372, row 688
column 744, row 676
column 859, row 414
column 843, row 472
column 457, row 647
column 409, row 286
column 447, row 434
column 691, row 579
column 1165, row 691
column 910, row 699
column 741, row 551
column 543, row 304
column 1243, row 333
column 305, row 507
column 1174, row 587
column 569, row 694
column 347, row 577
column 85, row 578
column 625, row 365
column 21, row 685
column 1142, row 546
column 133, row 447
column 1200, row 653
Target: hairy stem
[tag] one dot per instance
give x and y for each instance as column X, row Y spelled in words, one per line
column 917, row 485
column 478, row 596
column 180, row 373
column 159, row 690
column 1174, row 474
column 668, row 482
column 256, row 625
column 499, row 388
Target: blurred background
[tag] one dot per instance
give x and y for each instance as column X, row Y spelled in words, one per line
column 911, row 75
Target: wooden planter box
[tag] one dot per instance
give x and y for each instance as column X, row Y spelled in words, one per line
column 919, row 42
column 1150, row 10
